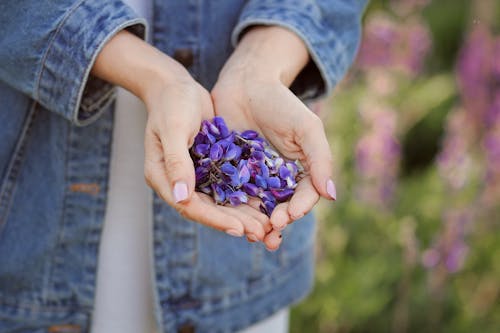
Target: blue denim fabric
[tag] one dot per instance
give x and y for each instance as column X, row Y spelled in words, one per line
column 54, row 170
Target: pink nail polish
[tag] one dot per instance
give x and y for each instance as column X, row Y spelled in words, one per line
column 330, row 188
column 234, row 232
column 180, row 191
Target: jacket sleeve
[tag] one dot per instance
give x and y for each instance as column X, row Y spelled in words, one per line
column 329, row 28
column 47, row 49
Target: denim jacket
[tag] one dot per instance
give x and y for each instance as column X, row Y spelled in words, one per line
column 56, row 124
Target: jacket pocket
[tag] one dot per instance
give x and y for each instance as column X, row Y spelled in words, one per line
column 14, row 164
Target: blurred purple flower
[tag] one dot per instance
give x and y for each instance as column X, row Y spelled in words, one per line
column 389, row 44
column 377, row 159
column 454, row 161
column 450, row 248
column 475, row 72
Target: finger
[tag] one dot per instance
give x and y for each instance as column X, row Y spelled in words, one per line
column 210, row 215
column 273, row 240
column 253, row 227
column 178, row 163
column 258, row 215
column 280, row 217
column 304, row 198
column 312, row 139
column 196, row 209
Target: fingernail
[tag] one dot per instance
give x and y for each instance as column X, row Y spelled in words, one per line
column 252, row 237
column 234, row 232
column 330, row 188
column 180, row 191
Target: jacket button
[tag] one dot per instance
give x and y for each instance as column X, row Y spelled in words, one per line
column 64, row 328
column 184, row 56
column 186, row 328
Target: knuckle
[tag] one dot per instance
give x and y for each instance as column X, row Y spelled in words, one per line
column 173, row 162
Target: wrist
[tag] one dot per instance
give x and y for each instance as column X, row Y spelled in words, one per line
column 270, row 52
column 133, row 64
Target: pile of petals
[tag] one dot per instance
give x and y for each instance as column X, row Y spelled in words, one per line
column 232, row 166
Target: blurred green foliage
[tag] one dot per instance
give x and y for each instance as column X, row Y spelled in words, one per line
column 370, row 275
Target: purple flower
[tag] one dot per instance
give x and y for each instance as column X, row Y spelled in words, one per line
column 231, row 166
column 261, row 182
column 216, row 152
column 238, row 197
column 251, row 189
column 249, row 134
column 233, row 152
column 221, row 126
column 282, row 195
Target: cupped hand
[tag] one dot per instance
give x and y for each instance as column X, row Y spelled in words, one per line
column 252, row 93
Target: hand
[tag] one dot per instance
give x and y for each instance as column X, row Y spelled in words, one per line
column 176, row 105
column 252, row 93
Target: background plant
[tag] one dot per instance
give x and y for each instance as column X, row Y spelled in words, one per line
column 412, row 243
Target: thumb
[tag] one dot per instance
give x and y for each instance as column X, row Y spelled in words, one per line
column 178, row 165
column 316, row 149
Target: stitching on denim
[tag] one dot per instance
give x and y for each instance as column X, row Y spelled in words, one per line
column 14, row 167
column 54, row 263
column 86, row 73
column 49, row 47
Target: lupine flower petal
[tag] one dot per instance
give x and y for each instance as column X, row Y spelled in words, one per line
column 221, row 125
column 282, row 195
column 228, row 169
column 216, row 152
column 238, row 197
column 258, row 155
column 267, row 207
column 249, row 134
column 201, row 173
column 273, row 182
column 211, row 138
column 244, row 174
column 218, row 193
column 264, row 170
column 213, row 130
column 261, row 182
column 292, row 167
column 284, row 172
column 205, row 162
column 201, row 149
column 290, row 183
column 227, row 141
column 267, row 196
column 257, row 145
column 250, row 189
column 233, row 152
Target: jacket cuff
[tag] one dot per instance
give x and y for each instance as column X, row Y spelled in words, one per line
column 329, row 59
column 65, row 84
